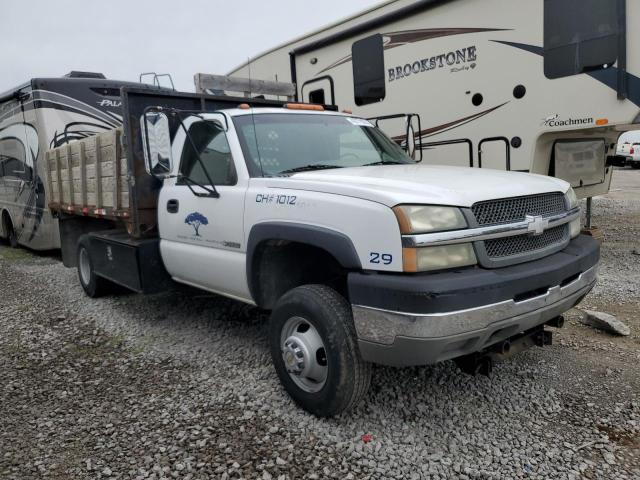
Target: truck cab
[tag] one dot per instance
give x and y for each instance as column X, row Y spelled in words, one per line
column 362, row 254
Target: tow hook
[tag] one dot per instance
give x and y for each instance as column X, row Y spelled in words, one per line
column 557, row 322
column 475, row 364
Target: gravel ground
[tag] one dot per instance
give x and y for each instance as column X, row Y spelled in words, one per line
column 180, row 385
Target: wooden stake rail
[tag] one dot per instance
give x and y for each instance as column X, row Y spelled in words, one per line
column 89, row 177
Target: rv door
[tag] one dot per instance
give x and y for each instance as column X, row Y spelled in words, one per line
column 18, row 151
column 319, row 90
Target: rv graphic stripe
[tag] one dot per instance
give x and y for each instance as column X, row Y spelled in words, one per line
column 429, row 132
column 406, row 37
column 608, row 77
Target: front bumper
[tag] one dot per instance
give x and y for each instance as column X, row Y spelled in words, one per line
column 404, row 320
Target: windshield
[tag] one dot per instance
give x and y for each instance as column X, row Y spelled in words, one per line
column 281, row 144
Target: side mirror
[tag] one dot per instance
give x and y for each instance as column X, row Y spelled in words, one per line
column 413, row 147
column 156, row 142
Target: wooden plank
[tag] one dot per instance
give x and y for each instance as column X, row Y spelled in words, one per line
column 205, row 82
column 98, row 173
column 59, row 199
column 116, row 177
column 83, row 174
column 70, row 175
column 49, row 175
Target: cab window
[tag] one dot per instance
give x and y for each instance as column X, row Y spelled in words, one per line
column 211, row 144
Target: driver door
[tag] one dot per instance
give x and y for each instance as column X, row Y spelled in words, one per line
column 201, row 236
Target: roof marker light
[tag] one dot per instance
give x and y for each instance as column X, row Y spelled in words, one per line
column 304, row 106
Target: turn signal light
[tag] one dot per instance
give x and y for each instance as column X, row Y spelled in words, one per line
column 602, row 121
column 304, row 106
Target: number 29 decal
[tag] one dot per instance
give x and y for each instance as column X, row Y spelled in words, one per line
column 380, row 258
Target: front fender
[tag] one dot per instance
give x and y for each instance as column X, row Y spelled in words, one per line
column 335, row 243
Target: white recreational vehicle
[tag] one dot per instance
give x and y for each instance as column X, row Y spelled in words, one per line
column 545, row 86
column 41, row 114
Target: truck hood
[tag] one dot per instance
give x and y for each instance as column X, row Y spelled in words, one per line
column 422, row 184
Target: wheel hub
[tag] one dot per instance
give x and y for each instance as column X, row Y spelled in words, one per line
column 304, row 354
column 294, row 356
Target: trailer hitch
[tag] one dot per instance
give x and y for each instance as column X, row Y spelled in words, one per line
column 481, row 363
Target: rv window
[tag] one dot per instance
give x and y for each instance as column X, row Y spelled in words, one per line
column 494, row 153
column 579, row 36
column 317, row 96
column 368, row 70
column 13, row 157
column 215, row 153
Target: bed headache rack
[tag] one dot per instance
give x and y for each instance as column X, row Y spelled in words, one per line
column 221, row 85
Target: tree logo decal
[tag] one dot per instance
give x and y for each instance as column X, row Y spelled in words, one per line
column 196, row 220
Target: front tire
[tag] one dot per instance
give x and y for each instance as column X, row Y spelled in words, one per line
column 93, row 285
column 315, row 353
column 12, row 237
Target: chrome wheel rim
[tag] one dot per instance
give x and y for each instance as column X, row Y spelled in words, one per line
column 85, row 266
column 304, row 354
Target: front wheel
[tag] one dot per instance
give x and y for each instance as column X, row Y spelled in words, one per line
column 315, row 352
column 12, row 237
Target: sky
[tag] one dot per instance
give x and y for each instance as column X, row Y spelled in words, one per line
column 123, row 38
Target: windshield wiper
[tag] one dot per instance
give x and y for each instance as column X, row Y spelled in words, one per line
column 384, row 162
column 309, row 168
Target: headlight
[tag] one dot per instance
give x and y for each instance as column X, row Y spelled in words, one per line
column 575, row 227
column 438, row 258
column 572, row 198
column 426, row 219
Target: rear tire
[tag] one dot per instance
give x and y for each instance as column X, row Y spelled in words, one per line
column 12, row 238
column 315, row 353
column 635, row 165
column 93, row 285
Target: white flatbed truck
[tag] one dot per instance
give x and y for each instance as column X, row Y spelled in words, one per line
column 361, row 255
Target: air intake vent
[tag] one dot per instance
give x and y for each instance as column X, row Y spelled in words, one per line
column 77, row 74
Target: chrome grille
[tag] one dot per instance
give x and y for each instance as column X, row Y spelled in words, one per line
column 510, row 210
column 523, row 244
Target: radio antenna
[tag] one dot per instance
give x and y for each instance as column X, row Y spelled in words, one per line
column 250, row 81
column 253, row 119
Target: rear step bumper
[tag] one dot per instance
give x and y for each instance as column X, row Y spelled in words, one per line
column 399, row 338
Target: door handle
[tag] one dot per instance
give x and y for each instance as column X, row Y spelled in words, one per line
column 173, row 206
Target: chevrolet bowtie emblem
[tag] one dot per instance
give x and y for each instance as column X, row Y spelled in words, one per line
column 537, row 224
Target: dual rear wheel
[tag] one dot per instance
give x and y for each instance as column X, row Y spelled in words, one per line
column 92, row 284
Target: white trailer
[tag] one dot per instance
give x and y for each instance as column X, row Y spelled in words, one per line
column 528, row 85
